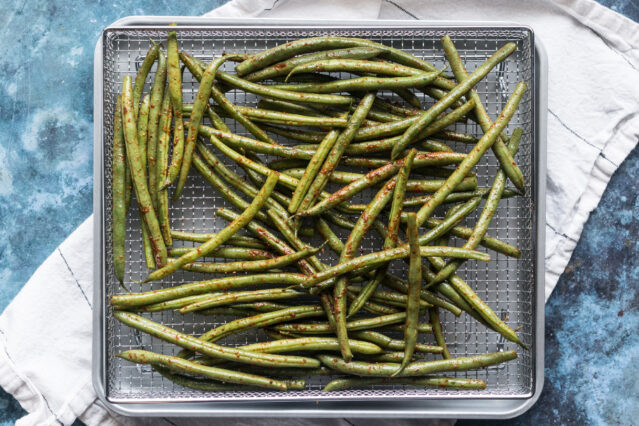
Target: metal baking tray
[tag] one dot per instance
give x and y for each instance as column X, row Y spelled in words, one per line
column 513, row 288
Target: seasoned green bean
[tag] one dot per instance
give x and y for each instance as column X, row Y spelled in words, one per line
column 436, row 382
column 221, row 299
column 188, row 367
column 481, row 227
column 250, row 265
column 475, row 155
column 431, row 114
column 502, row 153
column 312, row 344
column 335, row 154
column 237, row 240
column 389, row 343
column 143, row 72
column 312, row 169
column 221, row 236
column 211, row 349
column 118, row 212
column 162, row 158
column 135, row 163
column 175, row 90
column 157, row 94
column 419, row 368
column 283, row 68
column 126, row 301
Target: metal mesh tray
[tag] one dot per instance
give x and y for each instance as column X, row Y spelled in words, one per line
column 508, row 285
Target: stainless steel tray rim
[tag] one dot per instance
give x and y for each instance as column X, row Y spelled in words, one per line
column 134, row 408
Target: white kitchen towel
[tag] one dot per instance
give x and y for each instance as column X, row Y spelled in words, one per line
column 593, row 123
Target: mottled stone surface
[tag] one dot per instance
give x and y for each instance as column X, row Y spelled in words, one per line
column 46, row 96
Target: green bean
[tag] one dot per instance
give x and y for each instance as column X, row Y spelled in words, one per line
column 447, row 290
column 168, row 304
column 391, row 298
column 488, row 242
column 224, row 190
column 211, row 349
column 337, row 151
column 175, row 90
column 357, row 66
column 281, row 223
column 221, row 236
column 143, row 72
column 198, row 72
column 201, row 101
column 378, row 258
column 499, row 148
column 142, row 124
column 250, row 265
column 474, row 156
column 262, row 320
column 449, row 222
column 372, row 307
column 331, row 238
column 234, row 179
column 477, row 304
column 414, row 290
column 399, row 110
column 395, row 283
column 242, row 160
column 284, row 51
column 414, row 185
column 451, row 135
column 157, row 94
column 210, row 386
column 237, row 240
column 436, row 382
column 262, row 306
column 297, row 134
column 268, row 238
column 257, row 146
column 434, row 128
column 278, row 117
column 393, row 227
column 184, row 366
column 433, row 315
column 135, row 162
column 118, row 212
column 456, row 197
column 375, row 176
column 162, row 158
column 127, row 301
column 431, row 114
column 399, row 345
column 311, row 344
column 292, row 107
column 215, row 300
column 288, row 95
column 226, row 252
column 418, row 368
column 293, row 372
column 387, row 357
column 351, row 247
column 356, row 325
column 362, row 83
column 283, row 68
column 481, row 227
column 312, row 169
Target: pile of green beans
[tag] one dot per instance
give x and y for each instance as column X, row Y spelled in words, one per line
column 335, row 140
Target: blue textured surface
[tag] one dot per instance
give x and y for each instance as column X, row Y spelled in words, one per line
column 46, row 70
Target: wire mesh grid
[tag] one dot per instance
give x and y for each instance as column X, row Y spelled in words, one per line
column 505, row 284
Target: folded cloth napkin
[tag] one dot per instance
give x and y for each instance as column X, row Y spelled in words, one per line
column 593, row 123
